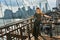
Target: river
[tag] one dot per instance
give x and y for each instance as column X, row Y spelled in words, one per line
column 6, row 21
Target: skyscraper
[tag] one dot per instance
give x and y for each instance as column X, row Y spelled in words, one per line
column 46, row 6
column 58, row 4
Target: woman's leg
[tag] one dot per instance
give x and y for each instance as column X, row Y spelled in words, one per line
column 39, row 29
column 35, row 31
column 35, row 37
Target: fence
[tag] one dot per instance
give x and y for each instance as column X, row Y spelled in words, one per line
column 22, row 30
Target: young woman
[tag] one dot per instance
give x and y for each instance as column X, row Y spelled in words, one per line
column 38, row 18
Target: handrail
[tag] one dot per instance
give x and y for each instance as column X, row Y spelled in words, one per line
column 7, row 29
column 13, row 23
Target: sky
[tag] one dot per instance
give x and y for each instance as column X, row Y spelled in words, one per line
column 13, row 3
column 52, row 3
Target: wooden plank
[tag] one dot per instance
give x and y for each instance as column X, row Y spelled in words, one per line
column 18, row 36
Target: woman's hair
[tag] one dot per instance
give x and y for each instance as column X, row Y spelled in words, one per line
column 39, row 9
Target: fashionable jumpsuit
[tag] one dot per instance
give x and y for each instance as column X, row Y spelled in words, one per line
column 37, row 28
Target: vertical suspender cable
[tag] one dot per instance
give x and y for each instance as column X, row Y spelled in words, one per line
column 17, row 3
column 35, row 3
column 10, row 4
column 32, row 5
column 11, row 9
column 48, row 5
column 6, row 3
column 1, row 12
column 23, row 6
column 23, row 3
column 19, row 7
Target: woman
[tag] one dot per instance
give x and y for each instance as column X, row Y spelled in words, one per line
column 38, row 18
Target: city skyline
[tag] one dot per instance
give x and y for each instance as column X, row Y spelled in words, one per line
column 15, row 7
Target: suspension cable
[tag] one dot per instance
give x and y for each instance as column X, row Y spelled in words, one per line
column 23, row 3
column 19, row 7
column 2, row 13
column 23, row 6
column 47, row 2
column 10, row 4
column 48, row 5
column 32, row 4
column 11, row 9
column 17, row 3
column 6, row 3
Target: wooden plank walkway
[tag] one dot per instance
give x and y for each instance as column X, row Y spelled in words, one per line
column 40, row 38
column 44, row 38
column 47, row 38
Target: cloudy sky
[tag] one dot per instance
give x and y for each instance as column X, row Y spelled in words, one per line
column 52, row 3
column 13, row 2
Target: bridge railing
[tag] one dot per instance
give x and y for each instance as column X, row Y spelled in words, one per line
column 23, row 30
column 17, row 30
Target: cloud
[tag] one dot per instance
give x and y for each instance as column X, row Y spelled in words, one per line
column 26, row 3
column 20, row 2
column 12, row 2
column 4, row 7
column 52, row 3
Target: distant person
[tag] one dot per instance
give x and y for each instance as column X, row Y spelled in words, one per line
column 38, row 20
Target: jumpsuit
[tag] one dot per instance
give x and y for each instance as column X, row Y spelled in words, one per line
column 37, row 28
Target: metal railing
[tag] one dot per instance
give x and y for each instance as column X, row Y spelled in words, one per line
column 16, row 30
column 21, row 30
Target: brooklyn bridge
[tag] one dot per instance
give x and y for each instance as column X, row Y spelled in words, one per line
column 23, row 29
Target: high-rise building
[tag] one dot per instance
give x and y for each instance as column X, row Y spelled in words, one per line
column 46, row 6
column 40, row 5
column 58, row 4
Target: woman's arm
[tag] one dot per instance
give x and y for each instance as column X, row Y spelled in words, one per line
column 47, row 16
